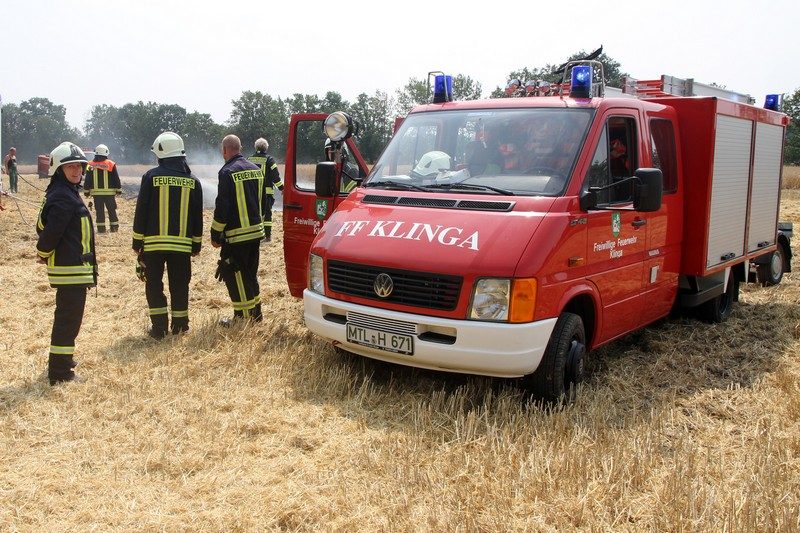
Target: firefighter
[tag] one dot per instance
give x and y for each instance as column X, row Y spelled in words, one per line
column 238, row 228
column 168, row 230
column 102, row 183
column 350, row 170
column 66, row 246
column 272, row 178
column 10, row 164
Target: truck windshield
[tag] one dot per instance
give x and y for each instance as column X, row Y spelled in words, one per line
column 514, row 151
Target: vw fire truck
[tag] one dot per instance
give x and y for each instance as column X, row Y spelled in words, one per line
column 508, row 237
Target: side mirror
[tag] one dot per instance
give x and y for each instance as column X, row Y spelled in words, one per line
column 325, row 179
column 588, row 200
column 648, row 189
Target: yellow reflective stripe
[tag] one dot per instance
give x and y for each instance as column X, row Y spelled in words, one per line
column 86, row 235
column 157, row 311
column 163, row 210
column 274, row 166
column 104, row 173
column 62, row 350
column 103, row 192
column 51, row 261
column 241, row 204
column 240, row 288
column 167, row 238
column 245, row 238
column 240, row 231
column 138, row 236
column 167, row 248
column 269, row 191
column 268, row 224
column 180, row 314
column 184, row 211
column 260, row 190
column 279, row 184
column 217, row 226
column 197, row 239
column 44, row 254
column 71, row 269
column 71, row 280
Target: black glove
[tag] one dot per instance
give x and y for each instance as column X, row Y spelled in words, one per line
column 141, row 269
column 91, row 205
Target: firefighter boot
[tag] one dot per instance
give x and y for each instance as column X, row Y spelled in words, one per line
column 255, row 314
column 160, row 325
column 61, row 368
column 180, row 325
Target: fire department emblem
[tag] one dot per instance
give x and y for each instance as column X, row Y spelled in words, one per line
column 616, row 224
column 384, row 285
column 322, row 209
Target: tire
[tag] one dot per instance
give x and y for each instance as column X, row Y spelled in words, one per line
column 718, row 309
column 562, row 365
column 771, row 273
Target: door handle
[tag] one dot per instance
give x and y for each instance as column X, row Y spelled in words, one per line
column 293, row 206
column 639, row 222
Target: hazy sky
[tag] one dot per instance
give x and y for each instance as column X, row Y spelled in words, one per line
column 202, row 55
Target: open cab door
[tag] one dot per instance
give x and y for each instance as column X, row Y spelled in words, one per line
column 304, row 213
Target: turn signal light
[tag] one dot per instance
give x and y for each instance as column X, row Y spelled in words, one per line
column 523, row 300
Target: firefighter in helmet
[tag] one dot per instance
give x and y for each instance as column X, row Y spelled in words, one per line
column 238, row 228
column 103, row 184
column 66, row 246
column 272, row 179
column 168, row 231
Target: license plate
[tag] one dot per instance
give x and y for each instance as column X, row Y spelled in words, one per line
column 383, row 340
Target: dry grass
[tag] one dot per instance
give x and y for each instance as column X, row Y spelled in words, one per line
column 684, row 426
column 791, row 177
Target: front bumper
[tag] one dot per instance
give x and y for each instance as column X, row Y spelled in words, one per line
column 466, row 346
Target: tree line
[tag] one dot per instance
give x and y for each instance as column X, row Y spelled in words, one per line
column 36, row 125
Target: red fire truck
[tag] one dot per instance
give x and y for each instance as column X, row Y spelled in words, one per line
column 508, row 237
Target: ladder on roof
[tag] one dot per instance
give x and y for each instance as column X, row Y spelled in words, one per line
column 674, row 86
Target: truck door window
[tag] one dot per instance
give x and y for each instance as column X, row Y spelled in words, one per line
column 614, row 160
column 662, row 136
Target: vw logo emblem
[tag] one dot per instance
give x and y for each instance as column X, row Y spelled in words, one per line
column 383, row 285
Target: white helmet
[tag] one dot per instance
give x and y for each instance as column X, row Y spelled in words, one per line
column 432, row 163
column 64, row 153
column 168, row 144
column 101, row 149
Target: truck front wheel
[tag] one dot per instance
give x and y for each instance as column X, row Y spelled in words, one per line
column 562, row 365
column 719, row 308
column 771, row 273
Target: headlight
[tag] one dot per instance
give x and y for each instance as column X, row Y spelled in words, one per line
column 316, row 274
column 490, row 299
column 338, row 126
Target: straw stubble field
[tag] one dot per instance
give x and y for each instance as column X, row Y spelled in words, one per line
column 683, row 426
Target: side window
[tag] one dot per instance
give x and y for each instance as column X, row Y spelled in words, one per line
column 663, row 152
column 310, row 149
column 614, row 160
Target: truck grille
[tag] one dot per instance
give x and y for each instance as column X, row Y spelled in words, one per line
column 418, row 289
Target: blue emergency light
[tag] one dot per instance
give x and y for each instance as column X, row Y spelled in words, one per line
column 442, row 89
column 581, row 84
column 773, row 102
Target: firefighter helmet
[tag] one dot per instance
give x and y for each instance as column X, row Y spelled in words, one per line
column 432, row 163
column 101, row 149
column 168, row 144
column 64, row 153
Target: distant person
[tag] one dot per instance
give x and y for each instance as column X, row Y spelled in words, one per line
column 272, row 178
column 168, row 231
column 237, row 230
column 10, row 165
column 66, row 246
column 350, row 171
column 102, row 183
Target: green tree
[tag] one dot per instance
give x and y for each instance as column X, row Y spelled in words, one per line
column 255, row 115
column 417, row 92
column 791, row 106
column 36, row 126
column 375, row 115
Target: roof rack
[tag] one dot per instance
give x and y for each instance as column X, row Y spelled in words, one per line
column 674, row 86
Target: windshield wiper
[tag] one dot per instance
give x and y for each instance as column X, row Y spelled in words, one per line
column 395, row 185
column 470, row 187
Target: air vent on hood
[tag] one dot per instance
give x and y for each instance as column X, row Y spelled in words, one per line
column 438, row 203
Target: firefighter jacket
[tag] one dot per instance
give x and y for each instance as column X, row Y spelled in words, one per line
column 238, row 215
column 169, row 209
column 272, row 177
column 102, row 178
column 66, row 236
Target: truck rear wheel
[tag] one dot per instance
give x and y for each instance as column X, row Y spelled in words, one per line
column 562, row 366
column 719, row 308
column 771, row 273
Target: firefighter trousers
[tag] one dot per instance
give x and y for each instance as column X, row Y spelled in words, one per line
column 179, row 273
column 101, row 203
column 67, row 318
column 268, row 218
column 240, row 275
